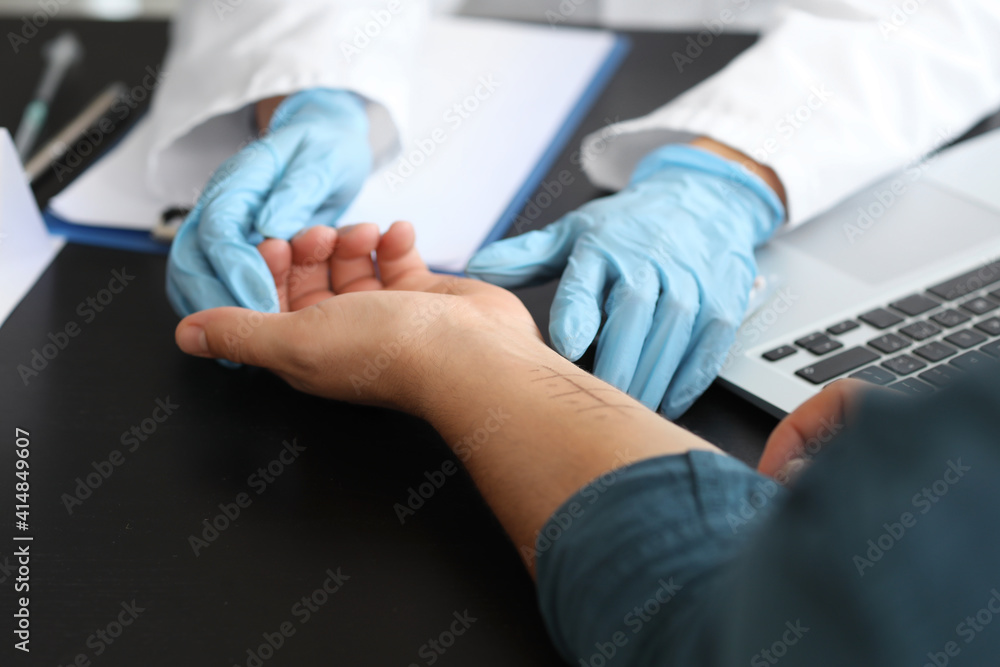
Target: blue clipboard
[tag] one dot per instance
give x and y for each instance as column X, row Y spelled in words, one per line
column 141, row 241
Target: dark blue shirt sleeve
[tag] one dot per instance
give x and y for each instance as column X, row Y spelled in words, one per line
column 886, row 552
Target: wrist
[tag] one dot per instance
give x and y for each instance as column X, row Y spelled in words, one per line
column 264, row 111
column 761, row 171
column 732, row 192
column 466, row 360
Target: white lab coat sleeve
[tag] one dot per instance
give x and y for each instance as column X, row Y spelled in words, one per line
column 226, row 55
column 830, row 103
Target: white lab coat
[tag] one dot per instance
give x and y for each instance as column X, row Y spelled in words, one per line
column 227, row 54
column 836, row 94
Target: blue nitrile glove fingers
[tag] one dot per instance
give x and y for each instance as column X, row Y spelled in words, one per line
column 188, row 266
column 322, row 137
column 308, row 168
column 676, row 250
column 579, row 304
column 531, row 258
column 668, row 337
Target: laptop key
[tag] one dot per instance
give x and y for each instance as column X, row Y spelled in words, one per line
column 915, row 304
column 904, row 364
column 967, row 283
column 940, row 376
column 889, row 343
column 831, row 367
column 979, row 305
column 819, row 343
column 965, row 338
column 990, row 326
column 971, row 360
column 950, row 318
column 992, row 349
column 779, row 353
column 920, row 330
column 874, row 375
column 825, row 347
column 843, row 327
column 880, row 318
column 995, row 294
column 912, row 386
column 935, row 351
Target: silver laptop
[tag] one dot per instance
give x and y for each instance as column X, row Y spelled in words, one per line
column 899, row 286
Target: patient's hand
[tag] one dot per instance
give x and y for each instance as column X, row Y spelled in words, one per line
column 802, row 434
column 344, row 314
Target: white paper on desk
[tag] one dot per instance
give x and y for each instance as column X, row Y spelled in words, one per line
column 26, row 248
column 531, row 78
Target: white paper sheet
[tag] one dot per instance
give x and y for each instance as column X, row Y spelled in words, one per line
column 26, row 248
column 516, row 85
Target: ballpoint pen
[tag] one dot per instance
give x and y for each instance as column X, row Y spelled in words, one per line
column 55, row 149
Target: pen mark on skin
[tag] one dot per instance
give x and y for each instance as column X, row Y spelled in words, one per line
column 580, row 389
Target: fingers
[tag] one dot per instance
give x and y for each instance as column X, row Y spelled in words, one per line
column 575, row 316
column 310, row 276
column 630, row 308
column 528, row 259
column 817, row 420
column 304, row 187
column 191, row 281
column 277, row 255
column 397, row 254
column 239, row 335
column 712, row 336
column 352, row 268
column 320, row 175
column 230, row 205
column 668, row 340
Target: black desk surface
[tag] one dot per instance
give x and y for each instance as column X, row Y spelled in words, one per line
column 332, row 507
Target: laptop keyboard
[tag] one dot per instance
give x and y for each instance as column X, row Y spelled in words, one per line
column 919, row 343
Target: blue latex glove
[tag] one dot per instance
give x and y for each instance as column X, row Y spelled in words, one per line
column 673, row 256
column 304, row 172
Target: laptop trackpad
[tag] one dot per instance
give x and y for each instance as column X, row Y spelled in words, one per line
column 881, row 235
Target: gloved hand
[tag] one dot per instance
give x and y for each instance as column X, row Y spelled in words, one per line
column 306, row 171
column 672, row 253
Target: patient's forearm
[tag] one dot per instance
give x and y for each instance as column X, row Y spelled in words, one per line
column 532, row 428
